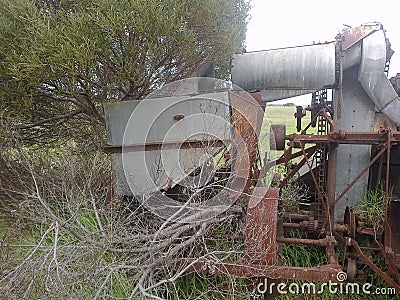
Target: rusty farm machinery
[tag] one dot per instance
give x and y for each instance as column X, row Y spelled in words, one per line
column 169, row 143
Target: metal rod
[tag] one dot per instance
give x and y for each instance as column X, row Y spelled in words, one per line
column 311, row 122
column 295, row 217
column 359, row 176
column 292, row 173
column 320, row 242
column 329, row 120
column 389, row 235
column 342, row 137
column 378, row 177
column 292, row 225
column 249, row 270
column 151, row 146
column 281, row 159
column 331, row 182
column 374, row 267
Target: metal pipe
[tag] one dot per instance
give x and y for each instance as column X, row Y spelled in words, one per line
column 320, row 242
column 153, row 146
column 308, row 68
column 292, row 225
column 373, row 78
column 295, row 217
column 294, row 71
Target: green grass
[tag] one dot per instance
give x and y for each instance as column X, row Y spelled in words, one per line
column 285, row 115
column 371, row 208
column 280, row 115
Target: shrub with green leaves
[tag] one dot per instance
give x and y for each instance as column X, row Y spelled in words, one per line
column 60, row 60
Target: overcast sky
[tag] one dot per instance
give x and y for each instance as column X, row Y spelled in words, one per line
column 284, row 23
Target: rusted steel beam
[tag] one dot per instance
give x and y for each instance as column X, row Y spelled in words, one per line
column 374, row 267
column 378, row 176
column 329, row 120
column 297, row 167
column 261, row 226
column 247, row 118
column 388, row 229
column 313, row 120
column 240, row 269
column 331, row 179
column 287, row 157
column 354, row 35
column 343, row 137
column 330, row 249
column 152, row 146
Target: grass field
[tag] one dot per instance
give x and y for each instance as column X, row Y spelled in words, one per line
column 274, row 115
column 285, row 115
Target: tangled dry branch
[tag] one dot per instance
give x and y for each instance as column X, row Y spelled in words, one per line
column 63, row 239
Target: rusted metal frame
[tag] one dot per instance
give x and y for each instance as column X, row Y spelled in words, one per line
column 247, row 119
column 329, row 120
column 152, row 146
column 309, row 151
column 320, row 194
column 238, row 269
column 296, row 169
column 371, row 248
column 342, row 137
column 330, row 251
column 261, row 226
column 331, row 180
column 387, row 226
column 359, row 175
column 388, row 251
column 313, row 120
column 356, row 34
column 374, row 267
column 379, row 173
column 282, row 159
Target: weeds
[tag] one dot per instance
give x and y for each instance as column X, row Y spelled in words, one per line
column 292, row 194
column 72, row 244
column 371, row 208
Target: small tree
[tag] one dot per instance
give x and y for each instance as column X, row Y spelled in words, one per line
column 60, row 60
